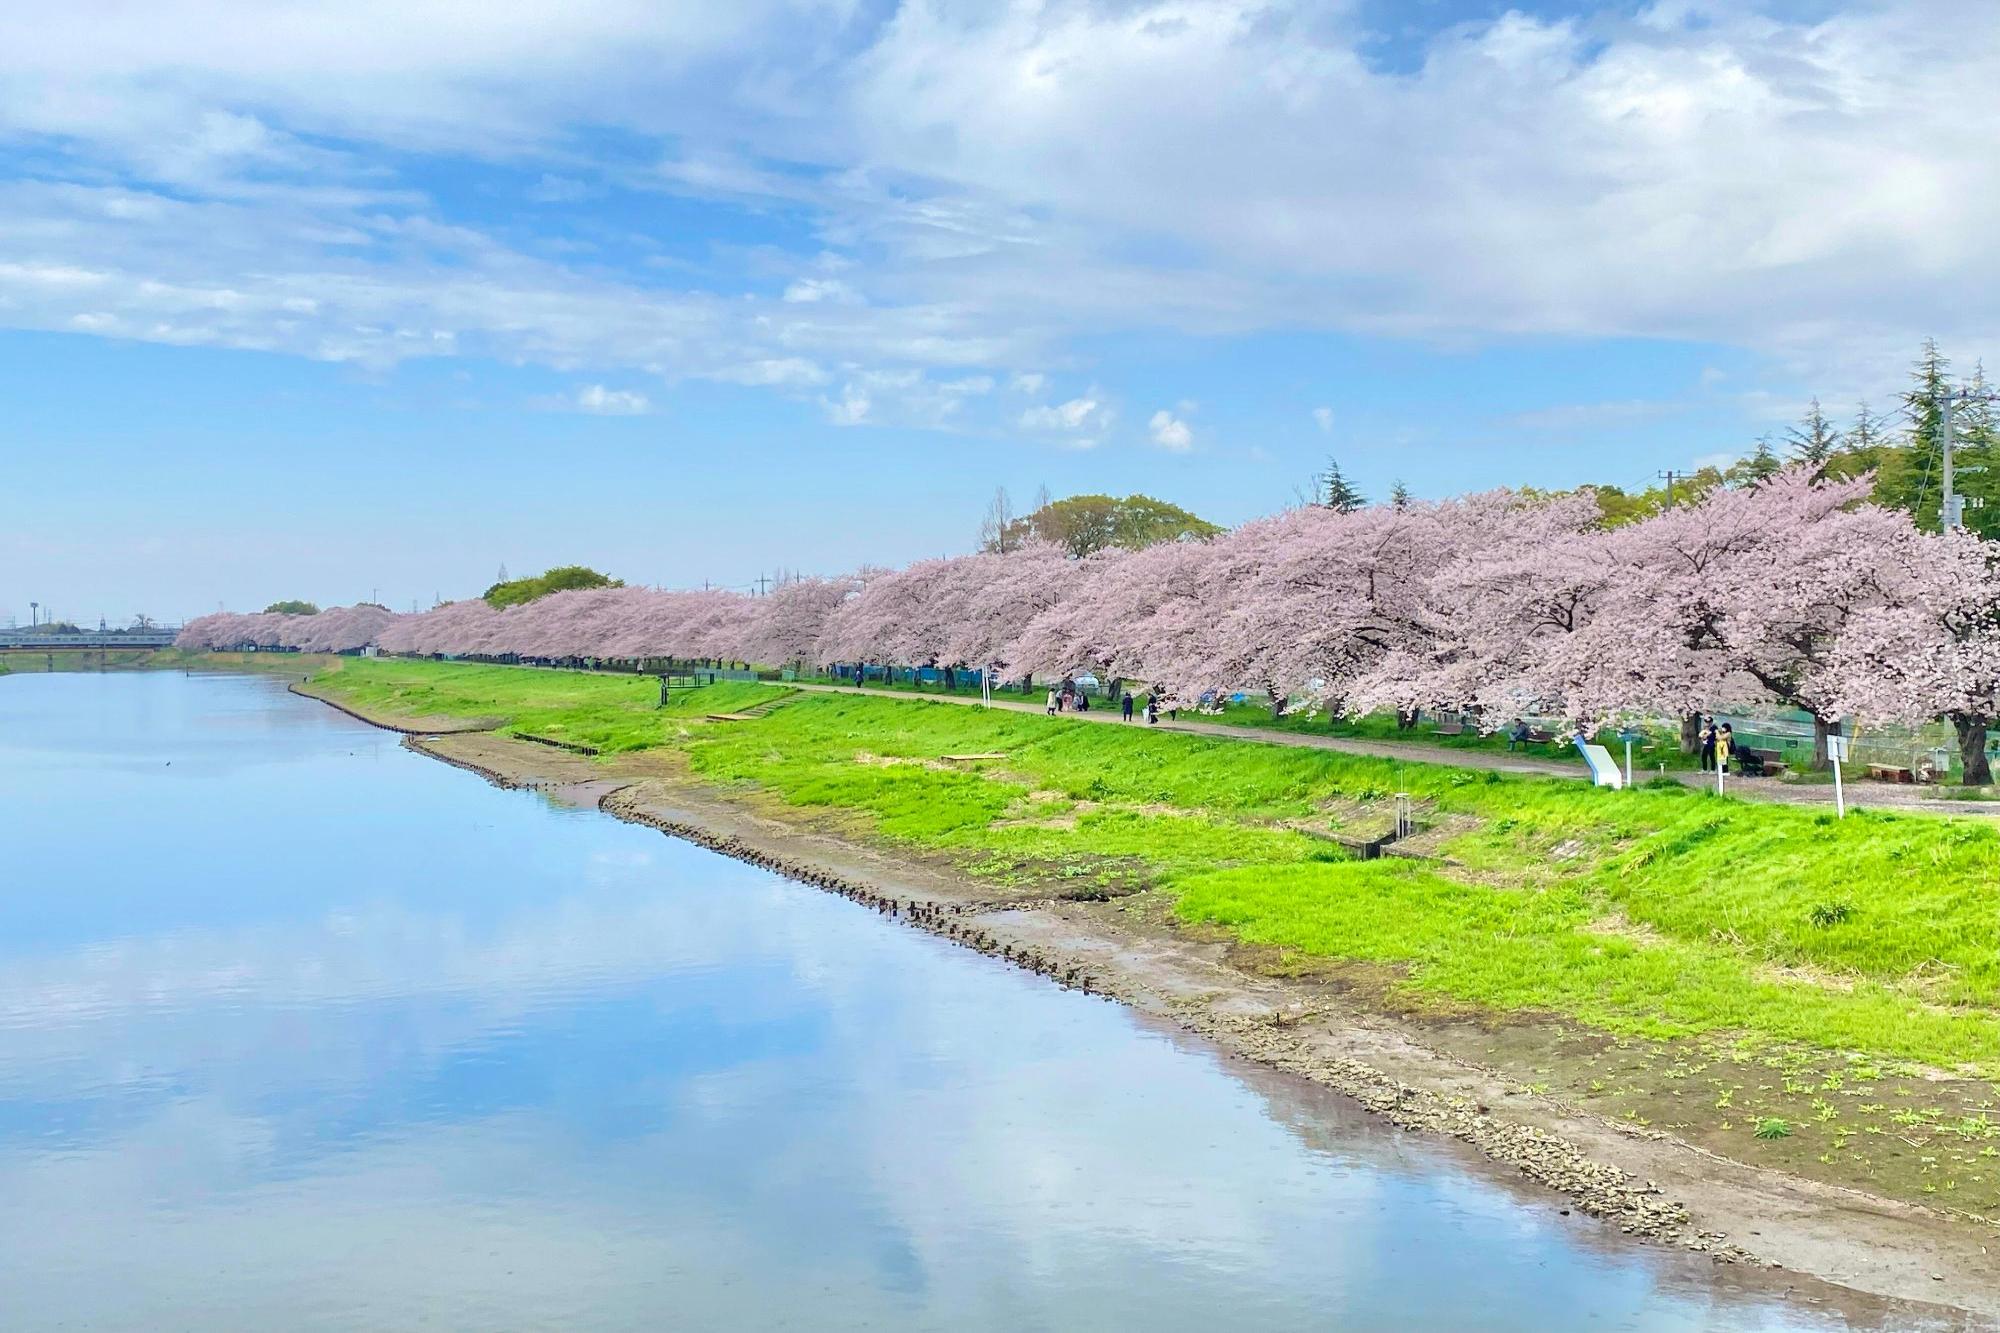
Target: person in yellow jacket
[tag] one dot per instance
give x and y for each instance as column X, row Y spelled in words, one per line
column 1725, row 740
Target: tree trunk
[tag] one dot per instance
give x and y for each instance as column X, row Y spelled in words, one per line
column 1971, row 728
column 1406, row 718
column 1690, row 732
column 1821, row 730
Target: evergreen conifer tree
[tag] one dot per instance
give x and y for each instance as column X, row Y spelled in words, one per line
column 1336, row 492
column 1813, row 440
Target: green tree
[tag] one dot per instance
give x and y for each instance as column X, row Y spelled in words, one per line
column 1081, row 524
column 1761, row 465
column 1618, row 506
column 1907, row 474
column 293, row 608
column 1813, row 440
column 1399, row 494
column 1336, row 492
column 563, row 578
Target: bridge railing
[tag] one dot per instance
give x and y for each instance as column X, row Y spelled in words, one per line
column 158, row 638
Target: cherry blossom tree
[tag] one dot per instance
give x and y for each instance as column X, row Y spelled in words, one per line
column 1936, row 651
column 789, row 624
column 1745, row 595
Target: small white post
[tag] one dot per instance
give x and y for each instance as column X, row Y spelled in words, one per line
column 1836, row 748
column 986, row 686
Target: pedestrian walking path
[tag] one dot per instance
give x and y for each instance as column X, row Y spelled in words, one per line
column 1421, row 752
column 1415, row 751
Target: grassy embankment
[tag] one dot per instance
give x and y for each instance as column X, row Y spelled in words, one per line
column 1757, row 976
column 29, row 661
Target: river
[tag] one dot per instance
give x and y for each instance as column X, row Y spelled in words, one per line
column 299, row 1029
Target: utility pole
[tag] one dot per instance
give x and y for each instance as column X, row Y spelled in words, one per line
column 763, row 585
column 1952, row 513
column 1670, row 475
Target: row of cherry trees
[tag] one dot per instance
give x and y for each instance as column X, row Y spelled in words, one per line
column 1792, row 592
column 339, row 629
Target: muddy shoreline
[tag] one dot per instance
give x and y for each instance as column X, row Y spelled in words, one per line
column 1878, row 1259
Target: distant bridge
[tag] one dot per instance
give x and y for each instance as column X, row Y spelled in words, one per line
column 29, row 641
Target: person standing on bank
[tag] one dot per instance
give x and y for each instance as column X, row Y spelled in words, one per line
column 1708, row 745
column 1152, row 709
column 1052, row 701
column 1725, row 741
column 1125, row 707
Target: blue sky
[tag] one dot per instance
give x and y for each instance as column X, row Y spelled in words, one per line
column 372, row 298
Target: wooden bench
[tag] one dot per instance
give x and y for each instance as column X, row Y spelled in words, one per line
column 1891, row 773
column 1539, row 736
column 970, row 758
column 1448, row 729
column 1760, row 763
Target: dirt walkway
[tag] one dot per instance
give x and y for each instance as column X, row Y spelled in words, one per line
column 1874, row 795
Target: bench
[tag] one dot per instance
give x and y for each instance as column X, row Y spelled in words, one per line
column 1448, row 729
column 1891, row 773
column 1540, row 736
column 1760, row 763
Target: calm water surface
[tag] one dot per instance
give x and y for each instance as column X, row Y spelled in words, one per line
column 301, row 1030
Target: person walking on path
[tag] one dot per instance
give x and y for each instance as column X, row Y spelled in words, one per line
column 1708, row 745
column 1053, row 701
column 1152, row 709
column 1125, row 707
column 1082, row 700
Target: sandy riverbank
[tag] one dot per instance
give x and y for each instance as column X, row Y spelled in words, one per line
column 1643, row 1182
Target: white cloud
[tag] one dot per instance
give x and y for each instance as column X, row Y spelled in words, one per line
column 1813, row 186
column 808, row 290
column 786, row 371
column 1594, row 416
column 1170, row 432
column 1029, row 383
column 850, row 409
column 1078, row 414
column 600, row 401
column 1323, row 416
column 554, row 189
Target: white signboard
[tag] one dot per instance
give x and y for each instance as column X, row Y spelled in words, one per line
column 1836, row 747
column 1603, row 772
